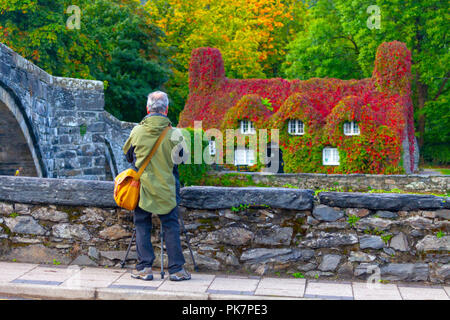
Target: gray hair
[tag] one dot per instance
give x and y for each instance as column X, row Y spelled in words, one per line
column 157, row 102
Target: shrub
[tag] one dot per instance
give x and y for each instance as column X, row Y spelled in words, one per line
column 192, row 174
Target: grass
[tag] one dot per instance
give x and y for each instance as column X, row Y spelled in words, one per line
column 445, row 171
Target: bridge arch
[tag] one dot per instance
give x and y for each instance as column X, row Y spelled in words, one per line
column 18, row 144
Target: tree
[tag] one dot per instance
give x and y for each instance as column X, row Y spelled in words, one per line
column 133, row 64
column 116, row 43
column 251, row 35
column 323, row 49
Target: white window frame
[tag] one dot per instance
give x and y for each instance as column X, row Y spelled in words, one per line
column 247, row 154
column 296, row 127
column 330, row 156
column 212, row 147
column 247, row 127
column 351, row 128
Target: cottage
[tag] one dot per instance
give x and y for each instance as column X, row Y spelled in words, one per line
column 325, row 125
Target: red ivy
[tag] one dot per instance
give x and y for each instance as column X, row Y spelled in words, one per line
column 381, row 104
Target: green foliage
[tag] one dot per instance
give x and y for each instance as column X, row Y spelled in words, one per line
column 374, row 231
column 14, row 215
column 288, row 185
column 352, row 220
column 83, row 129
column 135, row 65
column 323, row 49
column 440, row 234
column 386, row 238
column 241, row 207
column 298, row 275
column 115, row 44
column 267, row 103
column 56, row 262
column 192, row 173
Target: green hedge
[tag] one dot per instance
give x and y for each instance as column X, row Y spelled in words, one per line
column 192, row 174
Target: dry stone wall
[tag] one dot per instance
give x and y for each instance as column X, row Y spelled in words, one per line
column 414, row 183
column 334, row 235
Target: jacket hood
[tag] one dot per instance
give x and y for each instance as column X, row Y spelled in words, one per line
column 155, row 124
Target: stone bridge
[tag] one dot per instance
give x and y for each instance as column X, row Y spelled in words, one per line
column 55, row 127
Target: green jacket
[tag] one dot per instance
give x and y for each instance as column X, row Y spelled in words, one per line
column 157, row 182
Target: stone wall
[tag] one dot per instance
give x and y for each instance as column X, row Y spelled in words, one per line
column 334, row 235
column 117, row 132
column 61, row 118
column 415, row 183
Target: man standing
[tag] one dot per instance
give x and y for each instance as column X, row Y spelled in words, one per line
column 159, row 189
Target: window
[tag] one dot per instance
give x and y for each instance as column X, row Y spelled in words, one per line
column 296, row 127
column 212, row 147
column 351, row 128
column 247, row 127
column 244, row 157
column 330, row 157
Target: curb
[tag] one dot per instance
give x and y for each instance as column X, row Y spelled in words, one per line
column 77, row 293
column 44, row 291
column 126, row 294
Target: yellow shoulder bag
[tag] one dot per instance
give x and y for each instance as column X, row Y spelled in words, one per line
column 127, row 186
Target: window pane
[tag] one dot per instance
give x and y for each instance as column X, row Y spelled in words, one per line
column 326, row 155
column 347, row 129
column 355, row 128
column 291, row 127
column 335, row 156
column 212, row 147
column 300, row 127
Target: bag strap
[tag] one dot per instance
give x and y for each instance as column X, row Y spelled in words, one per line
column 152, row 152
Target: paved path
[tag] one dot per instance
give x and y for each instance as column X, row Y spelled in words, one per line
column 73, row 282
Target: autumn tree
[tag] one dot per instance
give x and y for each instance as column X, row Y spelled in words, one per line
column 115, row 43
column 251, row 35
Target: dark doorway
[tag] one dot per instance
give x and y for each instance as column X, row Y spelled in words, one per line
column 14, row 151
column 275, row 165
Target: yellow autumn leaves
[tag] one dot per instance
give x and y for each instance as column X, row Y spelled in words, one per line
column 251, row 34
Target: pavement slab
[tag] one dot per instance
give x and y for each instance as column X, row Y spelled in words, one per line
column 233, row 285
column 199, row 283
column 11, row 271
column 378, row 291
column 51, row 274
column 125, row 281
column 281, row 287
column 93, row 277
column 417, row 293
column 328, row 290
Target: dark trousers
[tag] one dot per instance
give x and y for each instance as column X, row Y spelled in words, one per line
column 144, row 248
